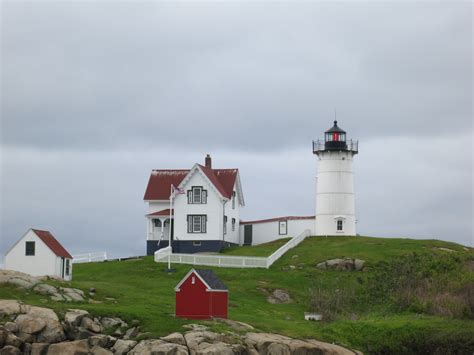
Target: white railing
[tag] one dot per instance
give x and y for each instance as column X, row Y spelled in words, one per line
column 162, row 253
column 89, row 257
column 230, row 261
column 287, row 246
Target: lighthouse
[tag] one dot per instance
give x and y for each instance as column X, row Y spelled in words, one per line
column 335, row 201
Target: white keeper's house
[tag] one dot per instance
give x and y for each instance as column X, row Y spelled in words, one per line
column 206, row 211
column 39, row 253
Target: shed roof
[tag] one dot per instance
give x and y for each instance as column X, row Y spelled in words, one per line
column 208, row 277
column 211, row 279
column 52, row 243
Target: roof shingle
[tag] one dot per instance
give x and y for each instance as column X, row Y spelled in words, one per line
column 211, row 279
column 52, row 243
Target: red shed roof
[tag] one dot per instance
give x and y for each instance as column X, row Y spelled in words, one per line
column 160, row 181
column 52, row 243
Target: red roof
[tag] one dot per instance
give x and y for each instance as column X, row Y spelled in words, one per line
column 160, row 213
column 161, row 180
column 160, row 183
column 52, row 243
column 286, row 218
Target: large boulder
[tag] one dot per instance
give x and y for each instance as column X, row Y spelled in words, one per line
column 266, row 343
column 122, row 347
column 158, row 347
column 39, row 325
column 110, row 322
column 102, row 340
column 176, row 338
column 38, row 348
column 73, row 294
column 346, row 264
column 11, row 307
column 73, row 317
column 279, row 296
column 10, row 350
column 77, row 347
column 8, row 338
column 97, row 350
column 18, row 279
column 45, row 289
column 91, row 325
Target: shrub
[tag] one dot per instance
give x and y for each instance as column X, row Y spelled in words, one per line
column 423, row 283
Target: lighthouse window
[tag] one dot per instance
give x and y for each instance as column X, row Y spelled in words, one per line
column 339, row 226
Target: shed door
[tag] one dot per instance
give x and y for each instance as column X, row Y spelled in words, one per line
column 248, row 234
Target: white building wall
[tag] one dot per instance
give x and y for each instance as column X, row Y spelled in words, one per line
column 232, row 236
column 213, row 209
column 43, row 263
column 335, row 193
column 264, row 232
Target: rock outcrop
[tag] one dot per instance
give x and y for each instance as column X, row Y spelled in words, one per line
column 36, row 284
column 346, row 264
column 38, row 331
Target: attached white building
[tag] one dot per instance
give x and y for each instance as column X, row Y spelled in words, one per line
column 205, row 217
column 39, row 253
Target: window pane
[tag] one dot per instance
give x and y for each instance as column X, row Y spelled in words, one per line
column 30, row 248
column 196, row 195
column 196, row 223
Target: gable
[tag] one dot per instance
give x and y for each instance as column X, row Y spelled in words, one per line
column 160, row 181
column 207, row 277
column 18, row 248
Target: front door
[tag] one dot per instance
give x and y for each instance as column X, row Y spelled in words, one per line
column 62, row 268
column 248, row 234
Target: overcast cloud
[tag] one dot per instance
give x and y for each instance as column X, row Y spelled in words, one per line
column 96, row 94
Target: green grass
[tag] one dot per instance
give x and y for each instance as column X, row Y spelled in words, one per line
column 259, row 250
column 143, row 291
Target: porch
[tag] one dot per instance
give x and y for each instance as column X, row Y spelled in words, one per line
column 158, row 226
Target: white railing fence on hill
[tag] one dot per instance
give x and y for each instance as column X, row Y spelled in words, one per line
column 230, row 261
column 89, row 257
column 287, row 246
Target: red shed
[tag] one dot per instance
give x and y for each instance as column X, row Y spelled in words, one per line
column 201, row 295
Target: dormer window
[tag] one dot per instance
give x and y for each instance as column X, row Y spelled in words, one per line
column 197, row 195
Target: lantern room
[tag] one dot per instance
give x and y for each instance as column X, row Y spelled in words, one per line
column 335, row 138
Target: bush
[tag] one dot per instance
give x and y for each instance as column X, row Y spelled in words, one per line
column 424, row 283
column 331, row 298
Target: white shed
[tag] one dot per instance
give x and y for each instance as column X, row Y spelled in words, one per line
column 38, row 253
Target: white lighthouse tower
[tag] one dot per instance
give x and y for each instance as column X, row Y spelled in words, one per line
column 335, row 205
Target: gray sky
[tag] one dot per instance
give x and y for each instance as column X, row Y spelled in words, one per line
column 96, row 94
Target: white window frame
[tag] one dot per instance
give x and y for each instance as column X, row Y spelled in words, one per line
column 282, row 224
column 339, row 222
column 197, row 195
column 197, row 223
column 233, row 224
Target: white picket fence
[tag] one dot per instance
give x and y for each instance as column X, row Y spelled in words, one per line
column 89, row 257
column 230, row 261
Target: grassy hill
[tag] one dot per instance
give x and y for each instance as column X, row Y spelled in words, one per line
column 413, row 295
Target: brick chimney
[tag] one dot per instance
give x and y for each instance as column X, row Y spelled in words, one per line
column 208, row 161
